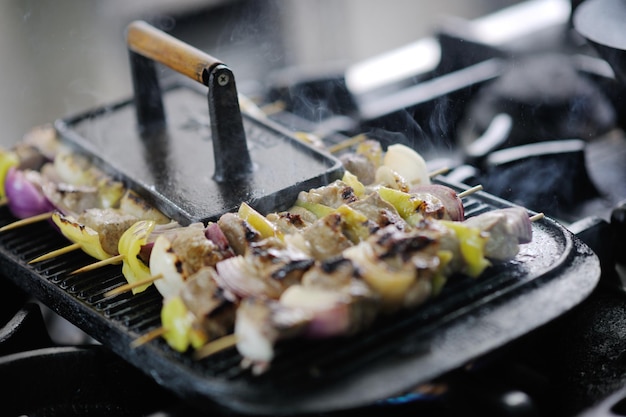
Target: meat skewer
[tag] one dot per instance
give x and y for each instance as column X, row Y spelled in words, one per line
column 255, row 341
column 371, row 247
column 291, row 303
column 261, row 222
column 234, row 226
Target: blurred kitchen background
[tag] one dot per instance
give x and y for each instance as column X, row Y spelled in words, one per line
column 62, row 57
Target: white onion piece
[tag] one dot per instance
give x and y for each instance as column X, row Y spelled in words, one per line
column 408, row 163
column 237, row 276
column 24, row 194
column 252, row 343
column 164, row 262
column 73, row 168
column 387, row 177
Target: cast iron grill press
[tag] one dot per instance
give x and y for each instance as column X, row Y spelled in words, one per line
column 469, row 318
column 162, row 146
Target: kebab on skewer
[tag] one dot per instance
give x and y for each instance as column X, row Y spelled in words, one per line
column 458, row 249
column 324, row 200
column 347, row 212
column 393, row 269
column 323, row 216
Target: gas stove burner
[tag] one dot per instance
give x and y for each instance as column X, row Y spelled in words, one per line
column 547, row 99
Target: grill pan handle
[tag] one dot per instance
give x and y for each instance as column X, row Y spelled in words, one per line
column 147, row 45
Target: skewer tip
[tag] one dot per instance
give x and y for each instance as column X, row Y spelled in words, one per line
column 99, row 264
column 470, row 191
column 439, row 171
column 26, row 221
column 216, row 346
column 536, row 217
column 55, row 253
column 127, row 287
column 148, row 337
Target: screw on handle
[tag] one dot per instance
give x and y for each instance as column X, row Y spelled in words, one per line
column 147, row 45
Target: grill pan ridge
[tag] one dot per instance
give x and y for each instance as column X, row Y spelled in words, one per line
column 469, row 318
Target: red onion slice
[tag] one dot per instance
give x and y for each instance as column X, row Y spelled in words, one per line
column 25, row 195
column 214, row 233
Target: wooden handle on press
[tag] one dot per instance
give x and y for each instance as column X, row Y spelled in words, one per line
column 150, row 42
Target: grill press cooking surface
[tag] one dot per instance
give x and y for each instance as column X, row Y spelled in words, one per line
column 470, row 317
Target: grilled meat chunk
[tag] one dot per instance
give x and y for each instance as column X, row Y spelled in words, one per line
column 507, row 229
column 212, row 308
column 110, row 225
column 238, row 232
column 332, row 195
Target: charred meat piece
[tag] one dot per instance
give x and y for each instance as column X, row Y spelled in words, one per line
column 379, row 211
column 213, row 310
column 325, row 238
column 238, row 232
column 266, row 269
column 292, row 221
column 110, row 225
column 179, row 253
column 360, row 166
column 333, row 195
column 452, row 204
column 507, row 229
column 398, row 265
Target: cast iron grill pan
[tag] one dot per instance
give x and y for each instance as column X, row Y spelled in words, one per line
column 469, row 318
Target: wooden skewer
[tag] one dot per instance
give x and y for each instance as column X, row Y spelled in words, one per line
column 536, row 217
column 99, row 264
column 215, row 346
column 439, row 171
column 470, row 191
column 211, row 348
column 130, row 286
column 347, row 143
column 26, row 221
column 272, row 108
column 148, row 337
column 55, row 253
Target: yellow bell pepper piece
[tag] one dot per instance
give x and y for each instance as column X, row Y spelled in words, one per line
column 440, row 278
column 320, row 210
column 178, row 324
column 85, row 236
column 351, row 180
column 406, row 204
column 355, row 222
column 133, row 268
column 391, row 283
column 259, row 222
column 8, row 159
column 472, row 246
